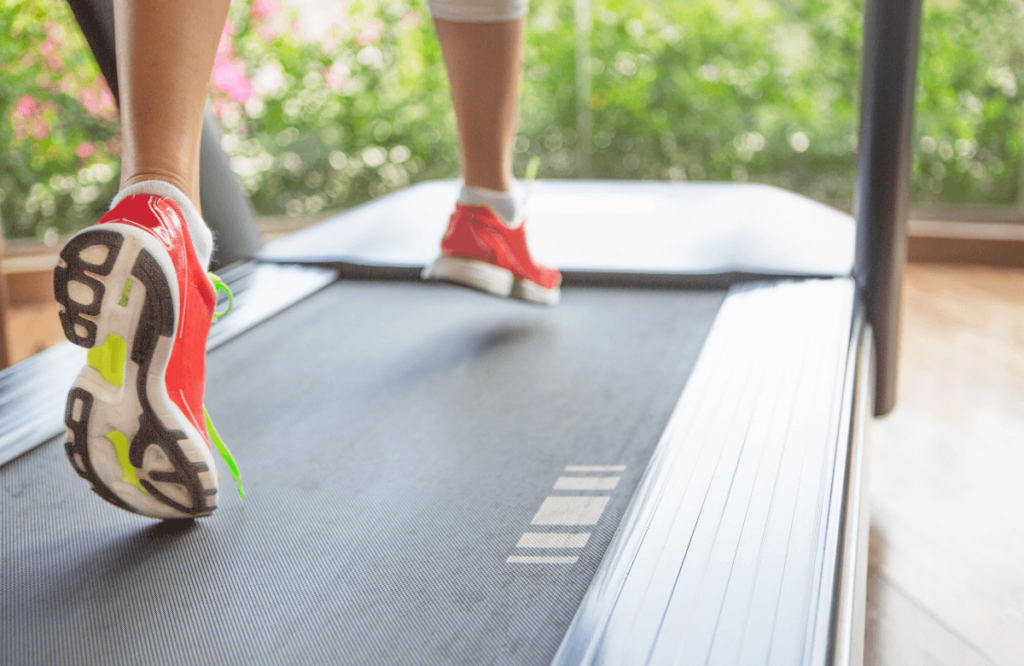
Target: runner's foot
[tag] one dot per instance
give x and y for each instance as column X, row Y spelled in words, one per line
column 133, row 291
column 483, row 252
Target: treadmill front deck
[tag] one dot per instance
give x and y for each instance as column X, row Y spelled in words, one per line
column 599, row 231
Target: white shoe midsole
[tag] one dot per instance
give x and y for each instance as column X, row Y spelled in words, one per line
column 528, row 290
column 472, row 273
column 490, row 278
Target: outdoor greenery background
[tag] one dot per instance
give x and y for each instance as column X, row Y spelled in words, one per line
column 324, row 107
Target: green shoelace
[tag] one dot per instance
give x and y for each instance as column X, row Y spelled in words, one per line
column 221, row 287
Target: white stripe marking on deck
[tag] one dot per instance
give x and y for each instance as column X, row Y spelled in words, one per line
column 570, row 510
column 542, row 559
column 587, row 482
column 553, row 540
column 595, row 468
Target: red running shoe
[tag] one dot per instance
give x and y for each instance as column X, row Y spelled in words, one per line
column 133, row 293
column 480, row 251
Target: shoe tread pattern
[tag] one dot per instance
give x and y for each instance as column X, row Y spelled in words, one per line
column 155, row 321
column 75, row 271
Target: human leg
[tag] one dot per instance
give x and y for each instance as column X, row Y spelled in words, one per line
column 484, row 62
column 165, row 53
column 485, row 246
column 134, row 290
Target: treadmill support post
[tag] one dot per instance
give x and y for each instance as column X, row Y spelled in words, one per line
column 882, row 195
column 226, row 209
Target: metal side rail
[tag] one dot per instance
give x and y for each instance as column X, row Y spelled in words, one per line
column 33, row 392
column 745, row 541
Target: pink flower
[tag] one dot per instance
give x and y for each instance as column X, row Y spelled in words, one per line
column 228, row 75
column 51, row 48
column 107, row 97
column 51, row 52
column 85, row 150
column 272, row 28
column 40, row 129
column 91, row 102
column 229, row 78
column 55, row 32
column 263, row 10
column 370, row 33
column 268, row 32
column 98, row 101
column 411, row 20
column 25, row 106
column 24, row 109
column 336, row 76
column 226, row 46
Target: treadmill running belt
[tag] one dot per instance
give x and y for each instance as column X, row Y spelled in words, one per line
column 396, row 441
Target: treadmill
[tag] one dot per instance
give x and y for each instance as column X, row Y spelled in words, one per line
column 667, row 467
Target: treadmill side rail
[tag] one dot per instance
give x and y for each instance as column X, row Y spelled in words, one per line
column 851, row 590
column 732, row 549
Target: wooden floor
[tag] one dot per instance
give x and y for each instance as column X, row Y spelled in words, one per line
column 947, row 472
column 947, row 477
column 33, row 328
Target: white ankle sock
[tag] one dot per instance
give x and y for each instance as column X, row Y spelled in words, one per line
column 202, row 237
column 507, row 205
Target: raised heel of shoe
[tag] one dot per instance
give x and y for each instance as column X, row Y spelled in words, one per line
column 76, row 286
column 117, row 290
column 530, row 291
column 471, row 273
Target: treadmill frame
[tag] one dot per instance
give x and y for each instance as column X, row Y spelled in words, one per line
column 891, row 32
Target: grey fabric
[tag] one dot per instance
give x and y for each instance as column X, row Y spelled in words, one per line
column 395, row 441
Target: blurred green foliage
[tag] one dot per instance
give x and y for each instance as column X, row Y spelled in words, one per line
column 58, row 124
column 321, row 111
column 969, row 111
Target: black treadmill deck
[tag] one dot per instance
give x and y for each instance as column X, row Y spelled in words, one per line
column 396, row 441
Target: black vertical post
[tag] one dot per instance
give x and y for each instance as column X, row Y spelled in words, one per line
column 226, row 209
column 882, row 195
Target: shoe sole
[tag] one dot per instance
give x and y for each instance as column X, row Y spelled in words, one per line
column 116, row 285
column 489, row 278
